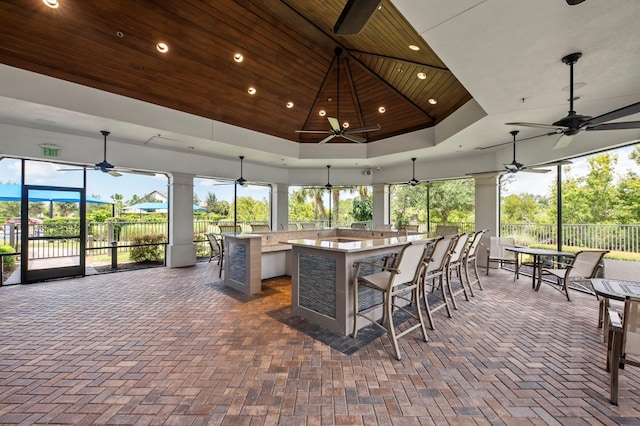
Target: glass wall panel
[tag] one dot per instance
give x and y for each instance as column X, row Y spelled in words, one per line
column 318, row 207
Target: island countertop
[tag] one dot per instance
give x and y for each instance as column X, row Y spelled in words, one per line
column 348, row 245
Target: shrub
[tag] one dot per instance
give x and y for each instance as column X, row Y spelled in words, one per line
column 8, row 261
column 147, row 253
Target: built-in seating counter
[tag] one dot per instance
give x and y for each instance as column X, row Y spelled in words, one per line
column 322, row 276
column 251, row 258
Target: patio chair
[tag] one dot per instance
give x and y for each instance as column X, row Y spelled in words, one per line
column 398, row 284
column 471, row 259
column 230, row 228
column 358, row 225
column 217, row 249
column 624, row 341
column 496, row 252
column 455, row 264
column 584, row 266
column 260, row 228
column 435, row 276
column 308, row 225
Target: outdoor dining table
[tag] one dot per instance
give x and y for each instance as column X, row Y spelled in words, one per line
column 615, row 289
column 537, row 254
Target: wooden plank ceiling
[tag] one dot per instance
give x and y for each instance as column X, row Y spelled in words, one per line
column 289, row 56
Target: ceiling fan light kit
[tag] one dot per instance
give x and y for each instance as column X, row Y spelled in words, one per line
column 573, row 123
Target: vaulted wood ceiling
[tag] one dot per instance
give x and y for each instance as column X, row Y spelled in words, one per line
column 288, row 49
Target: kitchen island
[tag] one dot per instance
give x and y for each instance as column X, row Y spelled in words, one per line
column 322, row 276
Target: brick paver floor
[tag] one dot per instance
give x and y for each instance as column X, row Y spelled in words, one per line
column 174, row 346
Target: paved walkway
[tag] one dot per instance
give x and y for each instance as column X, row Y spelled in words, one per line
column 174, row 346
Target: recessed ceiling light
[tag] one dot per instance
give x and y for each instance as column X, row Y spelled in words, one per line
column 414, row 47
column 53, row 4
column 289, row 104
column 421, row 75
column 162, row 47
column 382, row 110
column 432, row 101
column 345, row 124
column 238, row 57
column 322, row 113
column 120, row 34
column 251, row 91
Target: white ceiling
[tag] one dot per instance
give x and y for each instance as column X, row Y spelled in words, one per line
column 507, row 53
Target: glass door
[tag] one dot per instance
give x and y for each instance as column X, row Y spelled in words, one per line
column 55, row 249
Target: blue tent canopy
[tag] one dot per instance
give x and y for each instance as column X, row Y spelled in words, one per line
column 152, row 207
column 13, row 192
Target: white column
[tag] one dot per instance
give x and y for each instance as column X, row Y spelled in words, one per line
column 487, row 209
column 279, row 207
column 181, row 250
column 380, row 204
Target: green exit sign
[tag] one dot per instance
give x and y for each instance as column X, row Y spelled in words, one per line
column 50, row 151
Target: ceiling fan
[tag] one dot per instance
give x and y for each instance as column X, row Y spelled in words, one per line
column 334, row 122
column 105, row 167
column 515, row 166
column 574, row 123
column 241, row 180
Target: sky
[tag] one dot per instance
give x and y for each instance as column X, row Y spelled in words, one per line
column 104, row 185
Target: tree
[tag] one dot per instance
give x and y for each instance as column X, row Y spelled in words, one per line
column 362, row 209
column 452, row 196
column 519, row 208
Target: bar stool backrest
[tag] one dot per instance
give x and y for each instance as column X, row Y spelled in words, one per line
column 475, row 243
column 458, row 249
column 440, row 253
column 408, row 263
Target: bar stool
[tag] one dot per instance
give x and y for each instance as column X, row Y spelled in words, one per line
column 397, row 284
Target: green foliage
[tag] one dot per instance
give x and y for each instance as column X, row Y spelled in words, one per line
column 252, row 209
column 8, row 261
column 147, row 253
column 362, row 209
column 59, row 226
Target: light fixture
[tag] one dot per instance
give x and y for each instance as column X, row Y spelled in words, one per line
column 382, row 110
column 414, row 47
column 238, row 57
column 322, row 113
column 162, row 47
column 345, row 125
column 241, row 181
column 289, row 104
column 328, row 185
column 414, row 181
column 53, row 4
column 421, row 75
column 432, row 101
column 251, row 91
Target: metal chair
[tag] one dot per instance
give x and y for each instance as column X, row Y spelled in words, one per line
column 400, row 288
column 496, row 253
column 624, row 340
column 217, row 249
column 455, row 264
column 471, row 259
column 435, row 275
column 583, row 267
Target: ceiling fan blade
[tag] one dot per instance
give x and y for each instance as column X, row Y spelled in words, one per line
column 574, row 2
column 69, row 170
column 555, row 163
column 542, row 126
column 564, row 141
column 534, row 170
column 335, row 124
column 327, row 139
column 353, row 138
column 616, row 126
column 519, row 140
column 488, row 174
column 613, row 115
column 363, row 129
column 313, row 131
column 114, row 173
